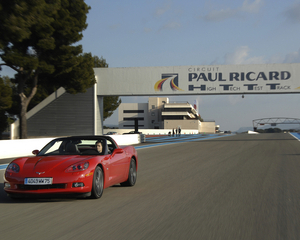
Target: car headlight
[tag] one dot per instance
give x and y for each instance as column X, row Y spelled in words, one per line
column 78, row 167
column 13, row 167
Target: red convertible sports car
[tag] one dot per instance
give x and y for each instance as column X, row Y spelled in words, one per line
column 72, row 166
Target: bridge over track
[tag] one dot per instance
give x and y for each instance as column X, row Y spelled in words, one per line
column 274, row 121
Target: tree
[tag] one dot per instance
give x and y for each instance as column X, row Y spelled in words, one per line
column 37, row 40
column 5, row 102
column 5, row 93
column 110, row 103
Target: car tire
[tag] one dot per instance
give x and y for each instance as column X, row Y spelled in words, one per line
column 97, row 189
column 132, row 175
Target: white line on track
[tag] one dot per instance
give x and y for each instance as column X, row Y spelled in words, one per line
column 3, row 166
column 158, row 141
column 295, row 135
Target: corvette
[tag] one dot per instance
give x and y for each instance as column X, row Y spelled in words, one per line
column 72, row 166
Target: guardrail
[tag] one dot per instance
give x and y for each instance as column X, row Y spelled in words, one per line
column 24, row 147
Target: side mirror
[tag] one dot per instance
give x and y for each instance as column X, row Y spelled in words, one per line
column 118, row 150
column 35, row 152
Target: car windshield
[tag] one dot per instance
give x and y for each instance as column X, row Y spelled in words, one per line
column 78, row 146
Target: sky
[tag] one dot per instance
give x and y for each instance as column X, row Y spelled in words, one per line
column 214, row 32
column 137, row 33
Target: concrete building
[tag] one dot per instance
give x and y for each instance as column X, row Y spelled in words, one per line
column 149, row 114
column 160, row 113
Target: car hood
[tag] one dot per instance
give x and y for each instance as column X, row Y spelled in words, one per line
column 48, row 163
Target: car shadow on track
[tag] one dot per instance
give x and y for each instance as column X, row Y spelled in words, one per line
column 6, row 199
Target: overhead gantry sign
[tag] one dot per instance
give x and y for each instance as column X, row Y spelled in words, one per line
column 199, row 80
column 274, row 121
column 195, row 80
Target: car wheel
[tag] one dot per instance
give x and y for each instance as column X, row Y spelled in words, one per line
column 97, row 189
column 132, row 175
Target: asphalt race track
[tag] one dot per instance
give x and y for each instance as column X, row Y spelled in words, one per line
column 236, row 187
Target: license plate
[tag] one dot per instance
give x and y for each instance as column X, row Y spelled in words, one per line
column 38, row 181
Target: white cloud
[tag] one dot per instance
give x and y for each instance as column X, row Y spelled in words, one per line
column 293, row 13
column 255, row 60
column 251, row 7
column 220, row 15
column 238, row 56
column 115, row 26
column 223, row 14
column 170, row 25
column 161, row 10
column 293, row 57
column 275, row 59
column 241, row 56
column 168, row 16
column 147, row 30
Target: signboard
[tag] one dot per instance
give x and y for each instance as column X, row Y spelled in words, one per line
column 199, row 80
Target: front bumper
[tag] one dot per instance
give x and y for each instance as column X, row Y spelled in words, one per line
column 62, row 185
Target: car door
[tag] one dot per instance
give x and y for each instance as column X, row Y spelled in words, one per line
column 119, row 165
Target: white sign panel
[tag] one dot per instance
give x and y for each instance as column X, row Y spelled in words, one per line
column 199, row 80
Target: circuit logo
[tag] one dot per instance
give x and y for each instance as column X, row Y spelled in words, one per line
column 171, row 78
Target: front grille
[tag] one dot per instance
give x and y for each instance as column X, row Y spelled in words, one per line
column 38, row 187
